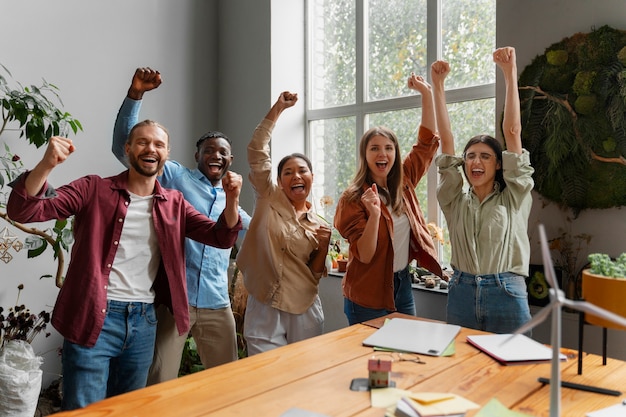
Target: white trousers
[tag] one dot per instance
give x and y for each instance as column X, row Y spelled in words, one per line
column 266, row 328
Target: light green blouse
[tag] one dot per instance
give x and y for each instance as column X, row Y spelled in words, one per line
column 492, row 236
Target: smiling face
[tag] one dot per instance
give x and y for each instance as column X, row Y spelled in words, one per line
column 481, row 165
column 295, row 179
column 214, row 158
column 147, row 149
column 380, row 155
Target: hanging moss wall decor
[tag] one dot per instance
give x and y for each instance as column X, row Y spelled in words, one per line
column 573, row 102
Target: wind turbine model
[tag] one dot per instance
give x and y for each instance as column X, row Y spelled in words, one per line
column 558, row 300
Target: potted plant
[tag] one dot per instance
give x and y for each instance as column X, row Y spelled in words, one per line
column 37, row 113
column 604, row 284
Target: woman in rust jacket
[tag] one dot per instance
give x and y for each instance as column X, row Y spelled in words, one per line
column 381, row 218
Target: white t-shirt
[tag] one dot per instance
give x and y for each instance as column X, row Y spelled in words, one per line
column 137, row 258
column 401, row 238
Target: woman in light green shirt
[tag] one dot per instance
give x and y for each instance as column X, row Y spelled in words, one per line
column 488, row 222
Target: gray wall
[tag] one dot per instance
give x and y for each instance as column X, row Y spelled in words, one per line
column 215, row 59
column 90, row 51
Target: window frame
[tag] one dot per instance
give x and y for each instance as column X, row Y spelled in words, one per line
column 361, row 108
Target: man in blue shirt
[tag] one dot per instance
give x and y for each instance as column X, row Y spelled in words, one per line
column 211, row 317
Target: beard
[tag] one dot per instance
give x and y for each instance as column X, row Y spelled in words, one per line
column 135, row 163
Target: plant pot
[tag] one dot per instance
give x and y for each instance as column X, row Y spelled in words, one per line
column 342, row 265
column 607, row 293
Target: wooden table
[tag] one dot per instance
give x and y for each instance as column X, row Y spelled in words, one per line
column 315, row 375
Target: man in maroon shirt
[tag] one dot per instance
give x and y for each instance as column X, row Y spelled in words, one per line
column 128, row 256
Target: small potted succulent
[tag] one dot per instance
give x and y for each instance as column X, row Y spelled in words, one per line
column 604, row 284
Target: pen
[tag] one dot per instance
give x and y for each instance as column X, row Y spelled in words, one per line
column 582, row 387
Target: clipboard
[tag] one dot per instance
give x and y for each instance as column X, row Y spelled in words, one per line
column 415, row 336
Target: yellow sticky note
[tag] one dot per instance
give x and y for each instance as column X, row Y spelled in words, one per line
column 440, row 404
column 386, row 397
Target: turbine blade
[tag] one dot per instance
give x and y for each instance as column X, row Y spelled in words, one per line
column 537, row 318
column 594, row 310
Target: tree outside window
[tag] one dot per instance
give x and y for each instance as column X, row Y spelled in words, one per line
column 360, row 53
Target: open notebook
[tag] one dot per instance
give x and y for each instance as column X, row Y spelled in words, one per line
column 416, row 336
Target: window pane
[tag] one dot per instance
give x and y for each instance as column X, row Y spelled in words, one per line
column 469, row 39
column 396, row 46
column 333, row 53
column 333, row 156
column 405, row 124
column 471, row 118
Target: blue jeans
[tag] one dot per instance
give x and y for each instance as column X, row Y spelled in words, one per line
column 402, row 295
column 495, row 303
column 119, row 361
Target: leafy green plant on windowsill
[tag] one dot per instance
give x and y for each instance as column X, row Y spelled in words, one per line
column 37, row 113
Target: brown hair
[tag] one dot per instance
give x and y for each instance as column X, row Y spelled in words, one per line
column 148, row 122
column 393, row 194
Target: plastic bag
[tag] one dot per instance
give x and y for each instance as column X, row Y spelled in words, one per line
column 20, row 379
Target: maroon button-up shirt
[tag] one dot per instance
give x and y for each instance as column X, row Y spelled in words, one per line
column 99, row 206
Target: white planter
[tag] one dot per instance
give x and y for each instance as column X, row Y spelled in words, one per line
column 20, row 379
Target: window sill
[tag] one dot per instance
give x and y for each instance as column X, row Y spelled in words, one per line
column 420, row 287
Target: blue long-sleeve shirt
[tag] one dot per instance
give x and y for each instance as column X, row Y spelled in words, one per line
column 207, row 266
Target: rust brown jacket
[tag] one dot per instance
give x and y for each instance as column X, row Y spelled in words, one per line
column 371, row 285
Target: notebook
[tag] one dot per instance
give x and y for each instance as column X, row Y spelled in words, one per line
column 415, row 336
column 512, row 349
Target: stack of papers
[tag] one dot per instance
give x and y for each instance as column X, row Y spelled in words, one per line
column 511, row 349
column 433, row 404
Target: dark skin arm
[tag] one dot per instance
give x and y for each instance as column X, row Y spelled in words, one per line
column 144, row 79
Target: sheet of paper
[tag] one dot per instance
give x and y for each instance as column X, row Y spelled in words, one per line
column 386, row 397
column 440, row 404
column 495, row 408
column 617, row 410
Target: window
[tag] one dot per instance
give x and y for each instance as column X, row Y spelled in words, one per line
column 360, row 53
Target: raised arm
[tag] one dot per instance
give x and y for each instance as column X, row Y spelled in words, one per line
column 285, row 100
column 439, row 70
column 56, row 153
column 417, row 83
column 511, row 124
column 144, row 79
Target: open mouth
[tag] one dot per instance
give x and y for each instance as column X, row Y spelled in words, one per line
column 298, row 189
column 477, row 172
column 149, row 160
column 215, row 168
